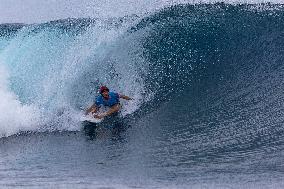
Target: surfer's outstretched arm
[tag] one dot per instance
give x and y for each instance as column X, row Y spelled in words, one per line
column 92, row 109
column 125, row 97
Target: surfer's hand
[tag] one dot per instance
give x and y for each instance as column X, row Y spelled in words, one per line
column 99, row 116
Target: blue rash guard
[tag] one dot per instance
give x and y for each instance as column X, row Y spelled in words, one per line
column 113, row 100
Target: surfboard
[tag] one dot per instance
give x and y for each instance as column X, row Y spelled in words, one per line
column 89, row 118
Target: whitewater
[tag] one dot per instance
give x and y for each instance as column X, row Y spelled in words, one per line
column 206, row 80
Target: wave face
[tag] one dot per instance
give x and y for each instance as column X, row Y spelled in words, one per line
column 207, row 82
column 220, row 70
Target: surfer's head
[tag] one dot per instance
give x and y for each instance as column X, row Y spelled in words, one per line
column 104, row 91
column 103, row 88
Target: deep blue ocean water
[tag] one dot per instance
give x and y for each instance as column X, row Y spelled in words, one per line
column 207, row 82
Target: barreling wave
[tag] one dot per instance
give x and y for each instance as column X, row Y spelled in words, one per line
column 223, row 63
column 57, row 67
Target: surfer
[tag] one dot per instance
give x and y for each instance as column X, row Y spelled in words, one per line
column 109, row 99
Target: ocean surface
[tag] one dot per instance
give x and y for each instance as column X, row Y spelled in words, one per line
column 208, row 109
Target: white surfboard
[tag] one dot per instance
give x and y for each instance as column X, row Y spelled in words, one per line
column 90, row 118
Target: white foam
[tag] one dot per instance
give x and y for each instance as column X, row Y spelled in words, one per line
column 14, row 116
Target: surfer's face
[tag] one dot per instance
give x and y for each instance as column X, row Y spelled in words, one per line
column 105, row 94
